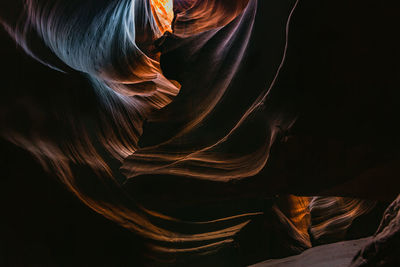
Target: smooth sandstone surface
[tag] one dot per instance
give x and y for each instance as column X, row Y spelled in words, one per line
column 331, row 255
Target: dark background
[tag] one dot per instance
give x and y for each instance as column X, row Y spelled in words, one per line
column 344, row 57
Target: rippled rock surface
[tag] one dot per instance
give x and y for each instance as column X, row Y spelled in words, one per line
column 384, row 248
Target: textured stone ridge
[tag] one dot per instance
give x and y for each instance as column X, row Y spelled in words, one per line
column 383, row 249
column 337, row 254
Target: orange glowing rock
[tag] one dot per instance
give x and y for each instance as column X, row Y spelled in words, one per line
column 163, row 13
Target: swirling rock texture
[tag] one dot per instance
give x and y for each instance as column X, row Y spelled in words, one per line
column 383, row 249
column 192, row 123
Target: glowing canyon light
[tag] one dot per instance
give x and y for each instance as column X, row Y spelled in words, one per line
column 163, row 13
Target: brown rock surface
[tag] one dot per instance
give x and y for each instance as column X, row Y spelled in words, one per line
column 332, row 255
column 383, row 249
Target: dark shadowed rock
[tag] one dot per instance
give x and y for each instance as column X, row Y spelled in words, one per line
column 332, row 255
column 384, row 248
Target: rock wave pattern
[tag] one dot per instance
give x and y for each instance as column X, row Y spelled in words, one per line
column 150, row 118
